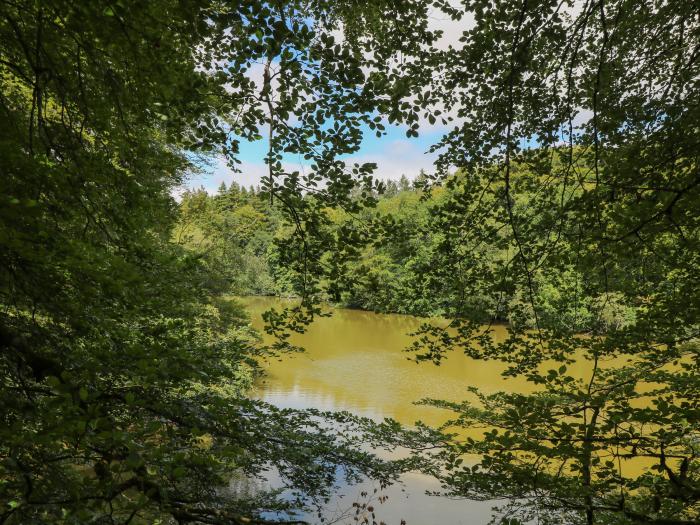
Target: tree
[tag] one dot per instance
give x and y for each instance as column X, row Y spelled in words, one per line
column 578, row 143
column 123, row 376
column 392, row 189
column 421, row 180
column 123, row 373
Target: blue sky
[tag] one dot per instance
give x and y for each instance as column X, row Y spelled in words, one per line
column 394, row 154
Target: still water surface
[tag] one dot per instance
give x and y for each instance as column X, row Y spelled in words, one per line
column 355, row 361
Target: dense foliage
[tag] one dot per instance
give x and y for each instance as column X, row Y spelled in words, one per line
column 573, row 217
column 236, row 231
column 578, row 140
column 565, row 203
column 123, row 375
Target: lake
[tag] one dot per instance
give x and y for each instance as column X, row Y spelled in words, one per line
column 355, row 361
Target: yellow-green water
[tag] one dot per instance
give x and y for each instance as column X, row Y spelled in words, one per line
column 355, row 361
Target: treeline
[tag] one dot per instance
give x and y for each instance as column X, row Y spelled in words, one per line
column 232, row 232
column 235, row 231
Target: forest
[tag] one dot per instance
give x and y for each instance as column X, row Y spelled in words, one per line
column 234, row 233
column 555, row 235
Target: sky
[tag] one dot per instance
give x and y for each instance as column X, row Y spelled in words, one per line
column 394, row 153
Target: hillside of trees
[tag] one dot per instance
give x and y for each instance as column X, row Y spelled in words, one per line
column 234, row 232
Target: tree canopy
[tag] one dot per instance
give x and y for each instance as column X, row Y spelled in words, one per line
column 578, row 139
column 564, row 201
column 123, row 373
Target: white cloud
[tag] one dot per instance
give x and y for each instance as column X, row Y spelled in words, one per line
column 451, row 29
column 251, row 174
column 400, row 157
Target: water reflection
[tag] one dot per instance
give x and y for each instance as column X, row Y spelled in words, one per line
column 355, row 361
